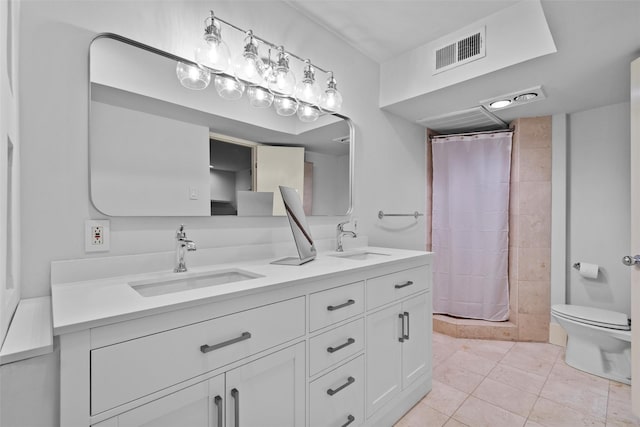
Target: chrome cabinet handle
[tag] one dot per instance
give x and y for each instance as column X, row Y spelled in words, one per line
column 236, row 406
column 350, row 381
column 338, row 307
column 402, row 335
column 403, row 285
column 207, row 348
column 350, row 419
column 218, row 402
column 406, row 315
column 341, row 346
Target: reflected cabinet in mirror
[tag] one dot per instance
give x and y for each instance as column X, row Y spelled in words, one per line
column 159, row 149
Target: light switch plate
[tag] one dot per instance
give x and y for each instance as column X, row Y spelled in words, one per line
column 96, row 235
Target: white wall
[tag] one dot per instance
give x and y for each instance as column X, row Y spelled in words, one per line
column 598, row 206
column 330, row 178
column 9, row 164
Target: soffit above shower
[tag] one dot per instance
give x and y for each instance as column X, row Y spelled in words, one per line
column 510, row 36
column 472, row 119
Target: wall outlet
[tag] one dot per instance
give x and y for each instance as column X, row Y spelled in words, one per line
column 96, row 234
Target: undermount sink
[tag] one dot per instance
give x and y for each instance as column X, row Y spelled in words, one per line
column 179, row 283
column 359, row 255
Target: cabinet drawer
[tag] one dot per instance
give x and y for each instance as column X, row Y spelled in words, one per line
column 129, row 370
column 333, row 305
column 336, row 345
column 338, row 397
column 390, row 287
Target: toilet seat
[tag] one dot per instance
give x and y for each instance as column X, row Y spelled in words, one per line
column 592, row 316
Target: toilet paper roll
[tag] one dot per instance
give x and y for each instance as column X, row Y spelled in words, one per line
column 590, row 271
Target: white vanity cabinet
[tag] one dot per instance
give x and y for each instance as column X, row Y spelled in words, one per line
column 398, row 337
column 266, row 392
column 348, row 347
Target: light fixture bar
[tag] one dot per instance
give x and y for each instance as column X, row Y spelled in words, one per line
column 271, row 45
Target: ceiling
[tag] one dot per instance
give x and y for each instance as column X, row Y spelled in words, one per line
column 596, row 40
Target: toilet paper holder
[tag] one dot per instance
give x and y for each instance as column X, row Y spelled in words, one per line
column 576, row 265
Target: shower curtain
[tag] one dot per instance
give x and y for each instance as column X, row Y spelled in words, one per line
column 470, row 225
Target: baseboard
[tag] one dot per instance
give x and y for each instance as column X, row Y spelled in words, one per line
column 557, row 334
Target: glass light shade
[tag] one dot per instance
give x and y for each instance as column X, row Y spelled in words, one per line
column 228, row 87
column 192, row 77
column 282, row 81
column 247, row 66
column 331, row 100
column 308, row 91
column 285, row 106
column 214, row 53
column 307, row 113
column 259, row 97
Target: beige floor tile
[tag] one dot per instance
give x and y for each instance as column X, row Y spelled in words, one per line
column 491, row 350
column 552, row 414
column 456, row 377
column 444, row 398
column 422, row 415
column 506, row 397
column 578, row 395
column 478, row 413
column 470, row 362
column 530, row 423
column 562, row 371
column 619, row 406
column 518, row 378
column 520, row 358
column 454, row 423
column 544, row 351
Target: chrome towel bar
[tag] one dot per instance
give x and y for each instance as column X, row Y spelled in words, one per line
column 416, row 214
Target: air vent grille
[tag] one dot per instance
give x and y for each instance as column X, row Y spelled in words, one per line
column 462, row 51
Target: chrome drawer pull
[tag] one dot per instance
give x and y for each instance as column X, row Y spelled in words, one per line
column 236, row 406
column 350, row 381
column 403, row 285
column 350, row 419
column 341, row 346
column 207, row 348
column 218, row 402
column 337, row 307
column 402, row 334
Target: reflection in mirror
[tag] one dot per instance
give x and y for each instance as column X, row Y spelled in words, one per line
column 299, row 228
column 157, row 149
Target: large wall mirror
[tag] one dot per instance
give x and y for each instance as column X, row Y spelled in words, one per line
column 159, row 149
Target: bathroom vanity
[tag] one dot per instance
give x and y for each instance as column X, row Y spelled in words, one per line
column 344, row 340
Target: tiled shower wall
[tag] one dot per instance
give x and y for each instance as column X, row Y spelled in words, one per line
column 529, row 241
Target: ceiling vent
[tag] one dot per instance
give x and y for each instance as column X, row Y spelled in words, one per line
column 462, row 51
column 475, row 119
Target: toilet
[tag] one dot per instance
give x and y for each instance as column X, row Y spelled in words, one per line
column 599, row 341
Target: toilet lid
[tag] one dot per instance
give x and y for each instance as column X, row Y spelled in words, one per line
column 593, row 316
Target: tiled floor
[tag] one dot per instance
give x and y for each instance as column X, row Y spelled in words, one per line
column 513, row 384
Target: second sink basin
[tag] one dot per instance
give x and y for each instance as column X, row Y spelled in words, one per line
column 179, row 283
column 359, row 255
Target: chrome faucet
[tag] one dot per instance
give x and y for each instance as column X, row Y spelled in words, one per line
column 182, row 246
column 340, row 233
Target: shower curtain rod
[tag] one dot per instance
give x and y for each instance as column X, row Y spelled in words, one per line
column 471, row 133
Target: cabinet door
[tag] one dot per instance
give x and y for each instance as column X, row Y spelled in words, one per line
column 187, row 407
column 268, row 392
column 416, row 354
column 384, row 357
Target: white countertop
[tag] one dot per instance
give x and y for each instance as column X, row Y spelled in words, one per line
column 90, row 303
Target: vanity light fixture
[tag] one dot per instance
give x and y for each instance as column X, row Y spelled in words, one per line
column 267, row 83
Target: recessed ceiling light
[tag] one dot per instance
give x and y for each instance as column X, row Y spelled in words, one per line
column 514, row 99
column 500, row 103
column 525, row 97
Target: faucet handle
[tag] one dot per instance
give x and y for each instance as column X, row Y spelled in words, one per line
column 341, row 225
column 181, row 234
